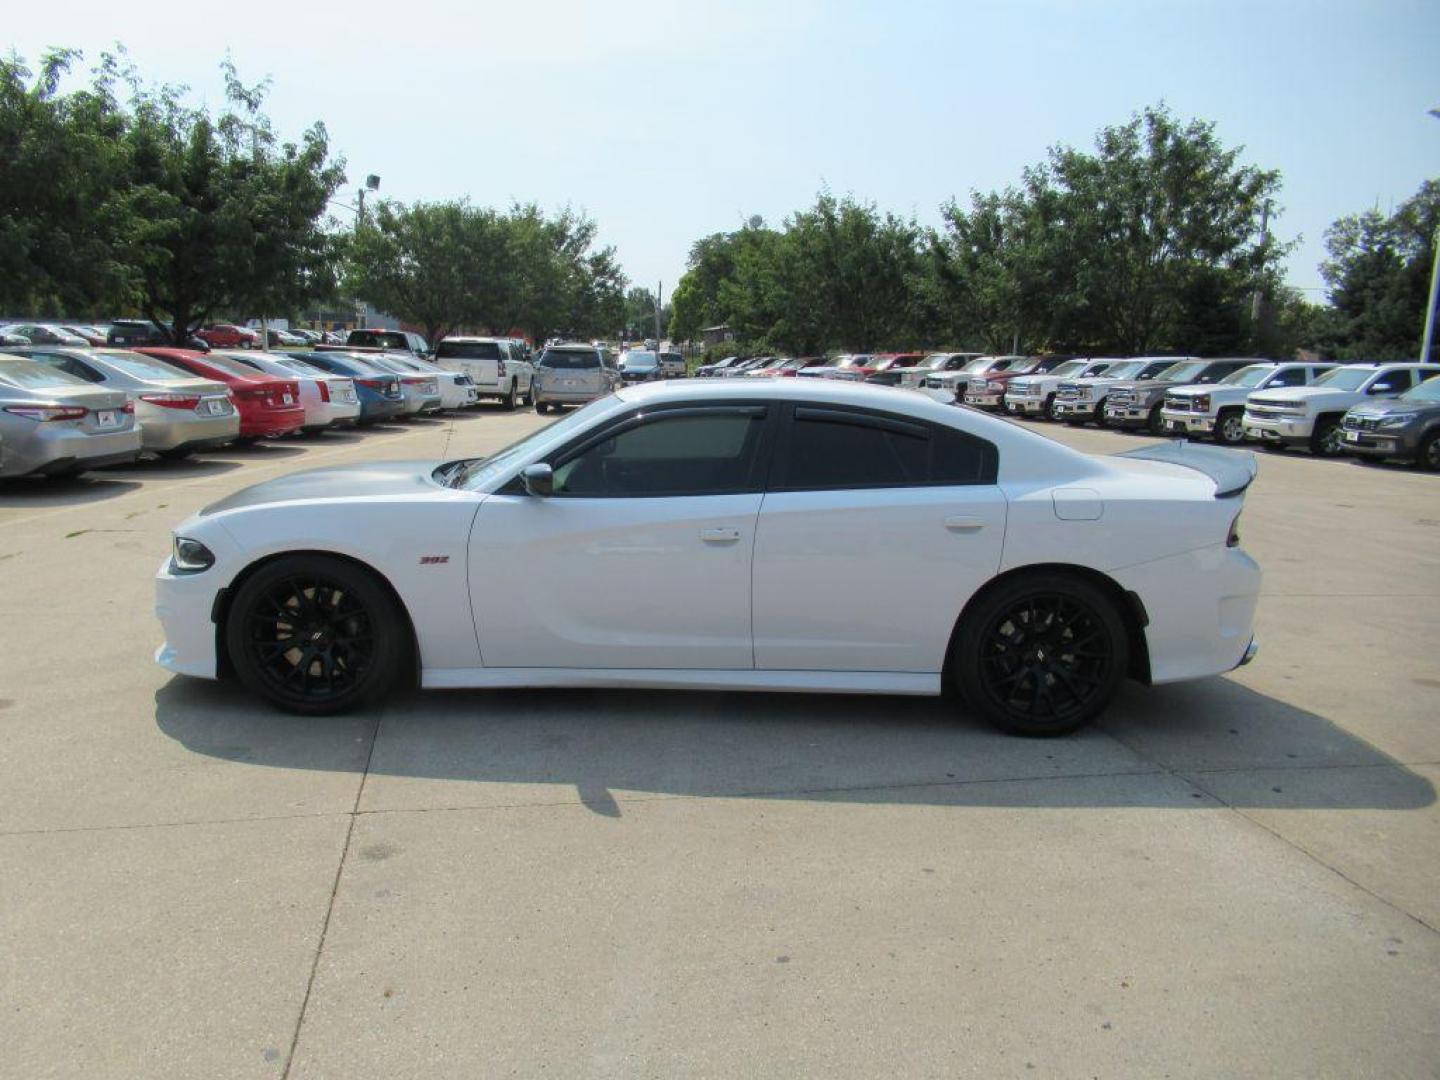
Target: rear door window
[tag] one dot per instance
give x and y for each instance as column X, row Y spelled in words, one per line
column 840, row 449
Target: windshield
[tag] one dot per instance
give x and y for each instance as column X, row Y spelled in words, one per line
column 1345, row 378
column 142, row 367
column 1119, row 371
column 300, row 367
column 385, row 339
column 470, row 473
column 469, row 350
column 1253, row 375
column 34, row 375
column 978, row 363
column 1185, row 371
column 570, row 359
column 635, row 361
column 390, row 364
column 934, row 360
column 1153, row 369
column 1429, row 390
column 1070, row 367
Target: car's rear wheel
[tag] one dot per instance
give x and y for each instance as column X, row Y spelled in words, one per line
column 1230, row 428
column 512, row 398
column 541, row 408
column 315, row 635
column 1041, row 655
column 1325, row 441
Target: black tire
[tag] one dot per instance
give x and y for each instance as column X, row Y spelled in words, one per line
column 1047, row 412
column 541, row 408
column 1429, row 455
column 511, row 399
column 1155, row 423
column 529, row 398
column 1041, row 655
column 1230, row 427
column 346, row 626
column 1325, row 440
column 1100, row 420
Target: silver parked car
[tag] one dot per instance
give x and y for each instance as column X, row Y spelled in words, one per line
column 457, row 390
column 177, row 413
column 54, row 424
column 422, row 391
column 572, row 375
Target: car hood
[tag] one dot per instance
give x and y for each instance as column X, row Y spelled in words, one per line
column 1301, row 393
column 1140, row 384
column 1385, row 406
column 374, row 480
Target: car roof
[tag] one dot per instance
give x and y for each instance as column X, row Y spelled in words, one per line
column 467, row 340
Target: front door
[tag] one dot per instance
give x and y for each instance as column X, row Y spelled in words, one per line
column 640, row 558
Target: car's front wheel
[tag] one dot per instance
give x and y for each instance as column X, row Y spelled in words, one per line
column 512, row 398
column 1041, row 654
column 315, row 635
column 1048, row 410
column 1155, row 422
column 1230, row 428
column 1429, row 456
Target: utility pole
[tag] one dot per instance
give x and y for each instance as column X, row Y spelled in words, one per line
column 1257, row 301
column 659, row 294
column 1429, row 339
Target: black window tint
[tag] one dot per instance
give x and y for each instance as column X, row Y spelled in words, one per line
column 468, row 350
column 834, row 449
column 1289, row 377
column 1398, row 380
column 699, row 452
column 70, row 366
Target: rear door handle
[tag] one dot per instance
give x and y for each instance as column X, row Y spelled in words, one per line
column 720, row 535
column 963, row 523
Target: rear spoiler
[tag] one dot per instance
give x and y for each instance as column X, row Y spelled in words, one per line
column 1232, row 470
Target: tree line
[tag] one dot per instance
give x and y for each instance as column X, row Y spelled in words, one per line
column 119, row 197
column 1154, row 241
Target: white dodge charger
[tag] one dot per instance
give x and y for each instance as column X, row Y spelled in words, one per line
column 798, row 535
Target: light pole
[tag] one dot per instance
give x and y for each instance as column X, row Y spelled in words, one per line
column 372, row 183
column 1429, row 339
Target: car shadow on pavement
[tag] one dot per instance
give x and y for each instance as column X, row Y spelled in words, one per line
column 173, row 468
column 37, row 493
column 259, row 450
column 1167, row 746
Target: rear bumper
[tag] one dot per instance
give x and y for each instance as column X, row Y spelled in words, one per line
column 188, row 430
column 1201, row 606
column 271, row 423
column 52, row 449
column 377, row 408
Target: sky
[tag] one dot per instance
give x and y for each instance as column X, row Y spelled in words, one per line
column 669, row 121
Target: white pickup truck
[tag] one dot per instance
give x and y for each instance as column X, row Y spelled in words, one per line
column 1310, row 415
column 1217, row 410
column 1034, row 395
column 1083, row 398
column 496, row 366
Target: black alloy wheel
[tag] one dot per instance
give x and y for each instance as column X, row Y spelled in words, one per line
column 315, row 635
column 1230, row 428
column 1042, row 655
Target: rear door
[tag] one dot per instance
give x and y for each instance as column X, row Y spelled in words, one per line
column 640, row 558
column 874, row 532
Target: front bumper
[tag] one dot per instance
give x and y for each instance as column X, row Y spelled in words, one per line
column 987, row 400
column 183, row 603
column 1127, row 416
column 1278, row 429
column 1396, row 443
column 1075, row 410
column 1025, row 406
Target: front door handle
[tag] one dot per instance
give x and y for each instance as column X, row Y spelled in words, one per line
column 963, row 523
column 720, row 535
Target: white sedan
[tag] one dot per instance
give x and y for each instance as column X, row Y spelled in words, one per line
column 805, row 535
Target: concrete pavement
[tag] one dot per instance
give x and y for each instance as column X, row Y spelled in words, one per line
column 1233, row 877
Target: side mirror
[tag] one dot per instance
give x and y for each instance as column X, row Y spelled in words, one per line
column 539, row 479
column 1380, row 388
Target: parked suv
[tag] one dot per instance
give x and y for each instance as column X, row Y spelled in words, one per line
column 1310, row 415
column 1406, row 427
column 391, row 340
column 672, row 364
column 133, row 333
column 1218, row 411
column 496, row 366
column 571, row 375
column 229, row 336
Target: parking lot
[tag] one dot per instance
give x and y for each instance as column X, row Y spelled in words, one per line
column 1239, row 876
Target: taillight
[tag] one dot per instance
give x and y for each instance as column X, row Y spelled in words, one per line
column 171, row 401
column 128, row 407
column 500, row 368
column 371, row 384
column 46, row 413
column 250, row 395
column 324, row 391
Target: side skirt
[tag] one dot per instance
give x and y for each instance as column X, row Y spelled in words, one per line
column 920, row 683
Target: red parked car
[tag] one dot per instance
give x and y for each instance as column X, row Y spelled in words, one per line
column 228, row 336
column 269, row 407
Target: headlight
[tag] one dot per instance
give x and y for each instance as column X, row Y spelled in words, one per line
column 1394, row 420
column 1202, row 402
column 191, row 556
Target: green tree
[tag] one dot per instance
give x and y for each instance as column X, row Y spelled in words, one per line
column 438, row 265
column 1378, row 275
